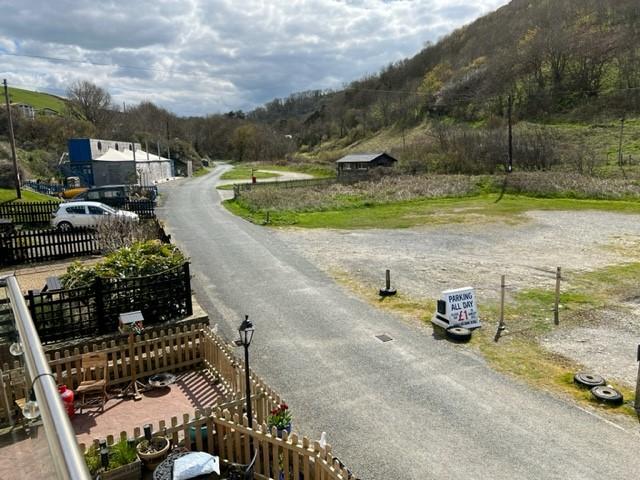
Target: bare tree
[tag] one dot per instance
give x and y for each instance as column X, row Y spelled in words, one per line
column 90, row 102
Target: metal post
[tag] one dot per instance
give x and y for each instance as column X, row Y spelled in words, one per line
column 12, row 141
column 248, row 385
column 65, row 453
column 556, row 308
column 248, row 394
column 501, row 326
column 388, row 279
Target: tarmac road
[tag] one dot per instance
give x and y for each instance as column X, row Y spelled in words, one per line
column 412, row 408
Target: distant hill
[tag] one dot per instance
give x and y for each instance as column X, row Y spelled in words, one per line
column 37, row 100
column 575, row 59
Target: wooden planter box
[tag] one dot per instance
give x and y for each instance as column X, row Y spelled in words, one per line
column 132, row 471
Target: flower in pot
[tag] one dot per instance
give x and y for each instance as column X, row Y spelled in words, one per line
column 153, row 449
column 280, row 418
column 115, row 462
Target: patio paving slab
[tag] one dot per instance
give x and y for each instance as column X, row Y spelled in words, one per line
column 192, row 390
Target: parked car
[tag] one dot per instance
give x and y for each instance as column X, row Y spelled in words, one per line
column 115, row 195
column 86, row 215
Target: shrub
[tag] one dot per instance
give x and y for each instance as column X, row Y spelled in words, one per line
column 120, row 454
column 140, row 259
column 116, row 232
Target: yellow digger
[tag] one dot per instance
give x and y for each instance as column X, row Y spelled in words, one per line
column 72, row 188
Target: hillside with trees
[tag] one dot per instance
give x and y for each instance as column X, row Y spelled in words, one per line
column 569, row 68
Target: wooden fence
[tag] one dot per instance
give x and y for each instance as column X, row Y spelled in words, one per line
column 227, row 435
column 144, row 208
column 311, row 182
column 34, row 213
column 26, row 246
column 31, row 246
column 28, row 212
column 94, row 309
column 290, row 457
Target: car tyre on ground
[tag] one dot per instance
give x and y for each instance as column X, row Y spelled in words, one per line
column 458, row 334
column 588, row 380
column 608, row 395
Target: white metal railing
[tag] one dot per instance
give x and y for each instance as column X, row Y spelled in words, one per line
column 65, row 453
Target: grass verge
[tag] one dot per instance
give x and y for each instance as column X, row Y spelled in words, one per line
column 9, row 195
column 201, row 171
column 243, row 172
column 527, row 316
column 428, row 211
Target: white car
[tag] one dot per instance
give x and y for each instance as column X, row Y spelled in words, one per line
column 86, row 215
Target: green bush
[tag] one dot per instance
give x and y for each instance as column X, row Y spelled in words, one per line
column 141, row 259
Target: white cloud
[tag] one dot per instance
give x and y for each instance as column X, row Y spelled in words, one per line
column 204, row 56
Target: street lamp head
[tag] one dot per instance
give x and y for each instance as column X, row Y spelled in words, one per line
column 246, row 332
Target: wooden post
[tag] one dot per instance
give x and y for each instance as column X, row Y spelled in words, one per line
column 510, row 165
column 556, row 308
column 12, row 141
column 637, row 401
column 501, row 323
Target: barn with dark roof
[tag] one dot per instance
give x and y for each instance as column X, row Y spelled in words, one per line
column 362, row 162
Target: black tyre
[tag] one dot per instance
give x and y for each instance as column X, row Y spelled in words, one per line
column 387, row 293
column 65, row 226
column 459, row 334
column 588, row 380
column 607, row 395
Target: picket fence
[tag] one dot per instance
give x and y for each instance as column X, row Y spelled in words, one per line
column 227, row 433
column 289, row 457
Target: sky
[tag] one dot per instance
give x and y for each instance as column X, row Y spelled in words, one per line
column 199, row 57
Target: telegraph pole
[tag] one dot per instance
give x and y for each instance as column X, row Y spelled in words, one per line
column 12, row 141
column 510, row 165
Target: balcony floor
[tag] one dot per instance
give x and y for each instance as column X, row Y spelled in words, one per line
column 192, row 390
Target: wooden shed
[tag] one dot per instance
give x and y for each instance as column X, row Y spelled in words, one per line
column 362, row 162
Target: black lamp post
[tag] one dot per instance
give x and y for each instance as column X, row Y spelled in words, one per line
column 246, row 334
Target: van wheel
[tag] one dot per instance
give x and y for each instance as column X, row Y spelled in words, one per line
column 65, row 226
column 459, row 334
column 607, row 395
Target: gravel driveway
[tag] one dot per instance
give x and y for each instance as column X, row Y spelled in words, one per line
column 426, row 260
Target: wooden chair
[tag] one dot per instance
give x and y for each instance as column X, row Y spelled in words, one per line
column 20, row 388
column 97, row 389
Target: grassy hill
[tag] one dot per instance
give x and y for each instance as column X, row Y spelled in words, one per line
column 561, row 61
column 38, row 100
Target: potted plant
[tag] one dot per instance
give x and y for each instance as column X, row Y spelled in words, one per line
column 280, row 418
column 152, row 450
column 115, row 462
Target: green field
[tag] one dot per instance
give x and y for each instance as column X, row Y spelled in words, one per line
column 316, row 170
column 243, row 172
column 36, row 99
column 9, row 194
column 201, row 171
column 430, row 212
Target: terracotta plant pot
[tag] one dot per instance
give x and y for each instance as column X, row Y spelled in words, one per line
column 152, row 457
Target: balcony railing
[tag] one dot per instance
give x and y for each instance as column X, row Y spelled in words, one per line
column 63, row 459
